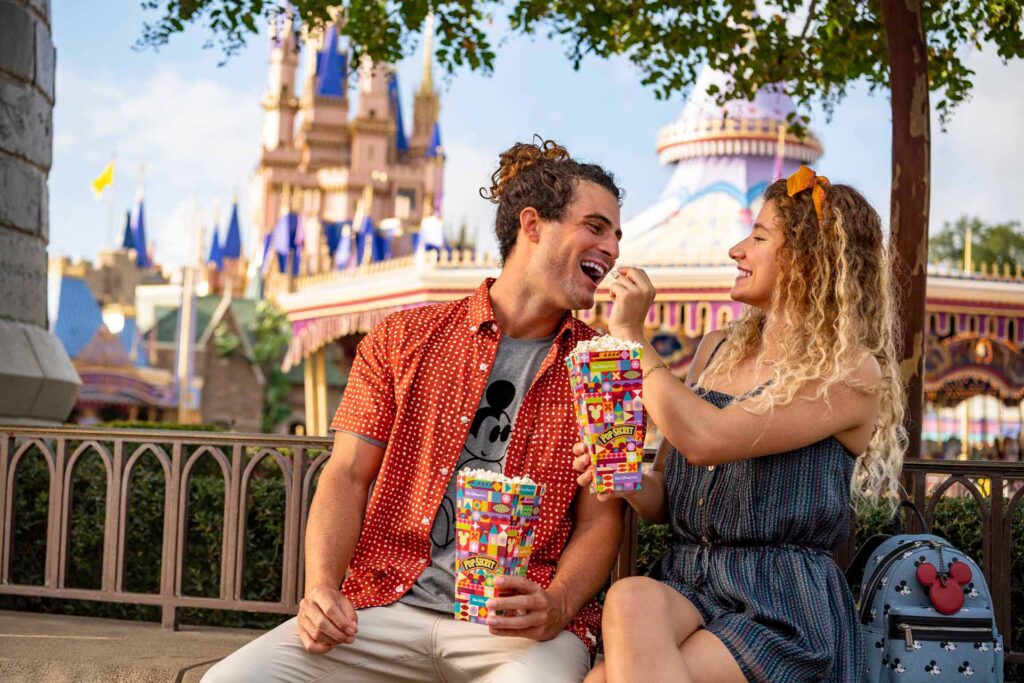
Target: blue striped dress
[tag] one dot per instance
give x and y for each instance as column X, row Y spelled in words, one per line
column 751, row 550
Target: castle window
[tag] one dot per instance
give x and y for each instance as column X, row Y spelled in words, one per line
column 405, row 202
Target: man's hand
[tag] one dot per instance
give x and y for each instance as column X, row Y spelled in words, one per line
column 582, row 464
column 326, row 618
column 541, row 614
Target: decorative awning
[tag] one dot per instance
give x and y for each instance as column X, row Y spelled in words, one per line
column 692, row 300
column 125, row 386
column 314, row 333
column 970, row 364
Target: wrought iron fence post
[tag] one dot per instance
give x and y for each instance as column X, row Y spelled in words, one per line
column 6, row 508
column 111, row 519
column 171, row 562
column 1000, row 529
column 56, row 528
column 292, row 529
column 234, row 524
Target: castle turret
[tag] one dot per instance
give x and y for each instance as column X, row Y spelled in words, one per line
column 324, row 135
column 280, row 103
column 373, row 134
column 427, row 104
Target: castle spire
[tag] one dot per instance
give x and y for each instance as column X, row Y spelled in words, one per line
column 232, row 247
column 426, row 104
column 427, row 84
column 280, row 103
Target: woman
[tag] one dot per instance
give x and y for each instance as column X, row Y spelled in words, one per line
column 783, row 416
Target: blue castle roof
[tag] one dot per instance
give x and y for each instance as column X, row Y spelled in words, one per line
column 216, row 255
column 435, row 149
column 331, row 67
column 138, row 229
column 127, row 241
column 78, row 315
column 401, row 141
column 232, row 247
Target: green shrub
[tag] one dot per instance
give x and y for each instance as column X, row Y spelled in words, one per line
column 264, row 542
column 164, row 426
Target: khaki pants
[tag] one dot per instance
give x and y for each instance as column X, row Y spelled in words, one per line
column 404, row 643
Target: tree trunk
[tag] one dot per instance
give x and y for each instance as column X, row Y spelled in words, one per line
column 911, row 182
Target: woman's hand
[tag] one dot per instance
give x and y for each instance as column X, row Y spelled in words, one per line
column 582, row 464
column 633, row 294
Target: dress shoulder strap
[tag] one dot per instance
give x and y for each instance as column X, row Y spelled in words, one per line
column 710, row 358
column 713, row 352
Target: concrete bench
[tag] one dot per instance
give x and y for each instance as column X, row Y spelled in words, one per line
column 51, row 648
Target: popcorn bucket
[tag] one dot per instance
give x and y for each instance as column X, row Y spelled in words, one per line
column 495, row 520
column 607, row 384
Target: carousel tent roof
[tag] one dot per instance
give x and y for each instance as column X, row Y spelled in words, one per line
column 723, row 157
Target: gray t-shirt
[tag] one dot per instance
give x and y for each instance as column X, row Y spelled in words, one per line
column 514, row 369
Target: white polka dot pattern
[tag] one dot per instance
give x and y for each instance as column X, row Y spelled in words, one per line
column 414, row 383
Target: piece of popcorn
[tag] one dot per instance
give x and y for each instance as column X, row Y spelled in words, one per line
column 487, row 475
column 605, row 343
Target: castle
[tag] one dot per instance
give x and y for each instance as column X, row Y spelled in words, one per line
column 331, row 190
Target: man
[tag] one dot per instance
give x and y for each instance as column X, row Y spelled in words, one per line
column 477, row 383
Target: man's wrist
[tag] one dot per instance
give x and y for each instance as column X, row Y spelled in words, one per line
column 561, row 600
column 329, row 584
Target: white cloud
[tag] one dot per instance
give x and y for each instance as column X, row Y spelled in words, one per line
column 196, row 138
column 64, row 141
column 976, row 167
column 171, row 123
column 468, row 167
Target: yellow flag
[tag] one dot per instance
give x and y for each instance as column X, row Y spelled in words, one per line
column 105, row 178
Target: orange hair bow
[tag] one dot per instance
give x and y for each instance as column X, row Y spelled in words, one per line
column 806, row 179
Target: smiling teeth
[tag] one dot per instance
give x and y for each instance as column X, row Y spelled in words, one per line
column 743, row 273
column 599, row 267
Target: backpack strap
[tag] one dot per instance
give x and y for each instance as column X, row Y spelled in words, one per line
column 897, row 518
column 855, row 572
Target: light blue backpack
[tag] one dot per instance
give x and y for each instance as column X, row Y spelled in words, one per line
column 925, row 610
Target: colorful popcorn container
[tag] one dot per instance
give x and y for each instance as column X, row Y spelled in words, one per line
column 495, row 520
column 607, row 384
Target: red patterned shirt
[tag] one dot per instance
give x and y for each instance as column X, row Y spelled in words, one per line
column 415, row 385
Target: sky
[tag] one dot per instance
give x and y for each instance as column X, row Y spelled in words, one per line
column 192, row 128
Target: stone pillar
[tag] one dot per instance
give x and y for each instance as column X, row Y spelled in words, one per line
column 37, row 381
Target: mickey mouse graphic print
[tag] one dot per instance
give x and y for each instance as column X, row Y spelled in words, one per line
column 515, row 366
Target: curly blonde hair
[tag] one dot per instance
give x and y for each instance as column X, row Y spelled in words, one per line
column 835, row 300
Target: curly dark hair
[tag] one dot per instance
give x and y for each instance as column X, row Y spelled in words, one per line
column 543, row 176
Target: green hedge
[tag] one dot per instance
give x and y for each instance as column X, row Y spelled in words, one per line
column 264, row 541
column 957, row 519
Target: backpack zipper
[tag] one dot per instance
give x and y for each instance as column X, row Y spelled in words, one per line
column 883, row 566
column 981, row 631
